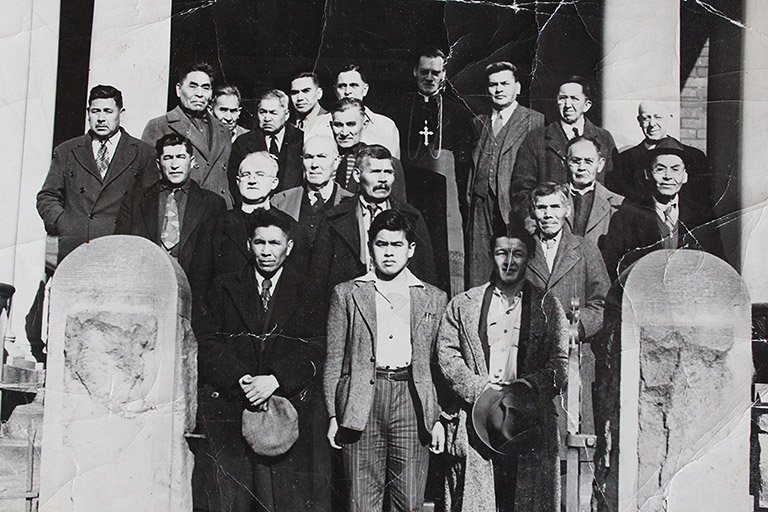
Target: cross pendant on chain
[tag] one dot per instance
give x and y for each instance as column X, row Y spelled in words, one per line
column 426, row 132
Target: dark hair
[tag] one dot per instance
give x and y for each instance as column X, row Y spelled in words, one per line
column 548, row 188
column 585, row 87
column 392, row 220
column 432, row 53
column 188, row 67
column 262, row 218
column 273, row 94
column 227, row 90
column 307, row 74
column 351, row 67
column 172, row 139
column 105, row 92
column 375, row 151
column 346, row 104
column 515, row 229
column 588, row 138
column 497, row 67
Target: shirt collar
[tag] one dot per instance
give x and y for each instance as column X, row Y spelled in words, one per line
column 497, row 292
column 250, row 208
column 274, row 279
column 504, row 113
column 556, row 239
column 279, row 135
column 568, row 128
column 111, row 141
column 409, row 279
column 662, row 207
column 184, row 187
column 326, row 192
column 583, row 191
column 365, row 204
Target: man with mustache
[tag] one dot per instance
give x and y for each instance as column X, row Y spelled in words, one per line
column 91, row 174
column 274, row 135
column 226, row 108
column 211, row 140
column 542, row 155
column 341, row 251
column 170, row 212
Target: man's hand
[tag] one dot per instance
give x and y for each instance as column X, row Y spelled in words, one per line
column 437, row 445
column 333, row 427
column 258, row 389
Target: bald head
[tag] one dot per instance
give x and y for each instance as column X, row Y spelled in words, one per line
column 654, row 118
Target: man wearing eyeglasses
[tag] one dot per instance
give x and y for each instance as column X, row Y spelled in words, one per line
column 662, row 219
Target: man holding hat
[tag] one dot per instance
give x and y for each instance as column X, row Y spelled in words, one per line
column 502, row 348
column 663, row 219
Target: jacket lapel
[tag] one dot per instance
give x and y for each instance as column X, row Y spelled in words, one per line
column 125, row 154
column 525, row 330
column 556, row 140
column 84, row 155
column 600, row 207
column 234, row 229
column 538, row 265
column 517, row 126
column 150, row 209
column 364, row 296
column 193, row 213
column 482, row 326
column 244, row 294
column 181, row 124
column 345, row 223
column 284, row 301
column 565, row 258
column 421, row 348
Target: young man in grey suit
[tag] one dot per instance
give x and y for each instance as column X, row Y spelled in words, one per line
column 211, row 140
column 501, row 134
column 380, row 396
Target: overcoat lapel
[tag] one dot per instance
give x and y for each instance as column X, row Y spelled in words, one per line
column 192, row 214
column 364, row 296
column 150, row 209
column 84, row 155
column 244, row 294
column 556, row 140
column 600, row 208
column 517, row 127
column 565, row 259
column 125, row 154
column 538, row 264
column 482, row 326
column 234, row 229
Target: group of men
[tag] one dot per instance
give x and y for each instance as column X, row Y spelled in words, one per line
column 322, row 248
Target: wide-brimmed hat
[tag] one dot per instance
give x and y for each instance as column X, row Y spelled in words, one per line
column 272, row 431
column 505, row 418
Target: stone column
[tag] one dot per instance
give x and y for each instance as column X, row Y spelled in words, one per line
column 28, row 42
column 131, row 50
column 121, row 381
column 676, row 396
column 641, row 45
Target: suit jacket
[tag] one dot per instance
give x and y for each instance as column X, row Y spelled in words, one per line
column 521, row 122
column 604, row 206
column 139, row 215
column 210, row 167
column 542, row 155
column 336, row 253
column 634, row 232
column 462, row 353
column 289, row 165
column 629, row 178
column 76, row 204
column 289, row 201
column 351, row 361
column 239, row 130
column 578, row 272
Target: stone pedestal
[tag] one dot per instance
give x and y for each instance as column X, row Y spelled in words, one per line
column 121, row 381
column 675, row 387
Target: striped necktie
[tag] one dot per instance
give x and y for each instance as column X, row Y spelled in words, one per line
column 170, row 235
column 102, row 159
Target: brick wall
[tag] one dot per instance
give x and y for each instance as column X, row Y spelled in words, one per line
column 693, row 103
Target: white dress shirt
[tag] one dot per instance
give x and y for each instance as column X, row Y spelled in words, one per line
column 550, row 248
column 503, row 328
column 568, row 128
column 504, row 113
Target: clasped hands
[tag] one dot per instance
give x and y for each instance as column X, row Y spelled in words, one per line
column 258, row 389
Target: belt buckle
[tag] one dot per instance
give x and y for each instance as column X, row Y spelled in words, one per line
column 390, row 375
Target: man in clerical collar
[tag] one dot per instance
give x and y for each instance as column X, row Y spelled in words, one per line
column 305, row 100
column 663, row 219
column 226, row 107
column 593, row 204
column 655, row 120
column 256, row 180
column 383, row 376
column 542, row 154
column 192, row 119
column 177, row 204
column 376, row 129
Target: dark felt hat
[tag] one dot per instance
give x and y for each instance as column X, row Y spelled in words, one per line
column 505, row 419
column 273, row 431
column 669, row 146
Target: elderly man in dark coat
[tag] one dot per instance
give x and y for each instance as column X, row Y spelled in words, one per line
column 476, row 350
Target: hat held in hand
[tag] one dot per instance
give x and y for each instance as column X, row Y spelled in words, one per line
column 273, row 431
column 505, row 417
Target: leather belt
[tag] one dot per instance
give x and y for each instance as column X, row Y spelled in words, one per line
column 397, row 374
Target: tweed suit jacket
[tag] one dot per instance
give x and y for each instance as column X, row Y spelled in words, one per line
column 76, row 204
column 350, row 366
column 139, row 215
column 578, row 271
column 210, row 166
column 542, row 155
column 604, row 207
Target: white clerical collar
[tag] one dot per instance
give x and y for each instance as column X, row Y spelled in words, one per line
column 582, row 191
column 568, row 128
column 426, row 98
column 250, row 208
column 504, row 113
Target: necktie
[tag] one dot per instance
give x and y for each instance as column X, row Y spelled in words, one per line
column 266, row 294
column 170, row 235
column 374, row 210
column 575, row 132
column 102, row 160
column 300, row 124
column 498, row 124
column 317, row 200
column 669, row 218
column 273, row 145
column 350, row 168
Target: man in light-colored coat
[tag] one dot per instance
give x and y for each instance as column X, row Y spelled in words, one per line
column 380, row 396
column 501, row 134
column 467, row 343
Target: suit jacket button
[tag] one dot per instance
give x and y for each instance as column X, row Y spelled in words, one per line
column 373, row 382
column 82, row 190
column 91, row 216
column 215, row 394
column 373, row 359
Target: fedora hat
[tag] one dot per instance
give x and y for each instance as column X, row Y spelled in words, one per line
column 273, row 430
column 505, row 417
column 669, row 146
